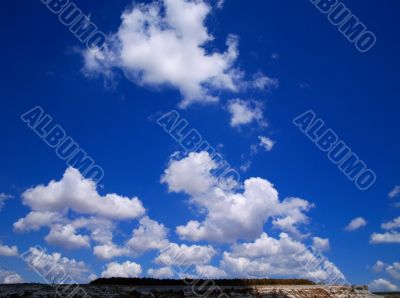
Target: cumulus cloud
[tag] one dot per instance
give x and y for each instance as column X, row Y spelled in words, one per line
column 161, row 273
column 35, row 220
column 394, row 224
column 66, row 237
column 61, row 266
column 9, row 277
column 150, row 235
column 321, row 244
column 163, row 44
column 382, row 285
column 395, row 192
column 262, row 82
column 126, row 269
column 356, row 224
column 3, row 198
column 392, row 270
column 209, row 272
column 389, row 237
column 190, row 175
column 245, row 112
column 109, row 251
column 8, row 251
column 379, row 266
column 78, row 194
column 231, row 215
column 267, row 256
column 266, row 143
column 183, row 254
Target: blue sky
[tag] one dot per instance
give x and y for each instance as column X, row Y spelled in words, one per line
column 283, row 58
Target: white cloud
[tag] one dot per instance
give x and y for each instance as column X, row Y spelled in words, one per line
column 392, row 269
column 162, row 43
column 261, row 82
column 76, row 193
column 65, row 236
column 9, row 277
column 183, row 254
column 356, row 224
column 60, row 266
column 190, row 174
column 245, row 112
column 160, row 273
column 109, row 251
column 150, row 235
column 379, row 266
column 266, row 143
column 389, row 237
column 394, row 224
column 321, row 244
column 382, row 285
column 100, row 229
column 209, row 272
column 127, row 269
column 267, row 256
column 35, row 220
column 231, row 215
column 4, row 197
column 8, row 251
column 395, row 192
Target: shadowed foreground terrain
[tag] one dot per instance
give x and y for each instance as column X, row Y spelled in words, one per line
column 147, row 288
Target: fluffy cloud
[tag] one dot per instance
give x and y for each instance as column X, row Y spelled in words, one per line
column 389, row 237
column 231, row 215
column 66, row 237
column 35, row 220
column 394, row 224
column 267, row 256
column 320, row 244
column 262, row 82
column 356, row 224
column 395, row 192
column 162, row 43
column 392, row 269
column 164, row 272
column 382, row 285
column 78, row 194
column 127, row 269
column 100, row 229
column 379, row 266
column 245, row 112
column 109, row 251
column 3, row 198
column 183, row 254
column 266, row 143
column 150, row 235
column 8, row 251
column 190, row 175
column 9, row 277
column 209, row 272
column 56, row 265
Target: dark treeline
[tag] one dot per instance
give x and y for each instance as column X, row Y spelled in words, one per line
column 180, row 282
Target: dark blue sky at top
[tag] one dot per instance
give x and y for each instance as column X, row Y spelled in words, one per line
column 356, row 94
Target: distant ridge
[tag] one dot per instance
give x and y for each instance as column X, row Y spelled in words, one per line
column 181, row 282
